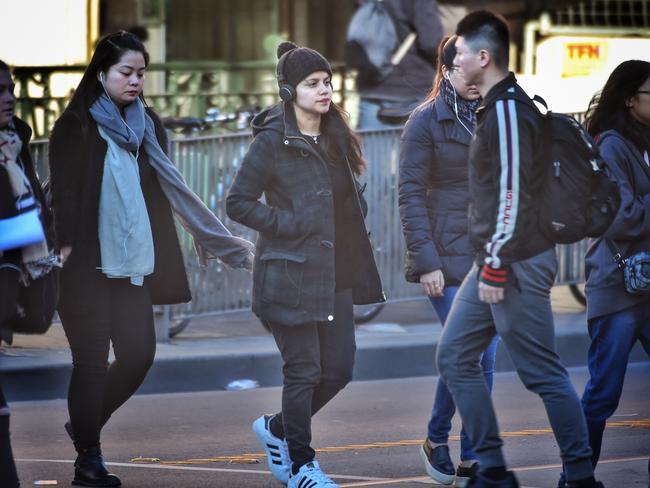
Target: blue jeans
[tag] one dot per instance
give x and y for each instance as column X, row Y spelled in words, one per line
column 612, row 338
column 443, row 404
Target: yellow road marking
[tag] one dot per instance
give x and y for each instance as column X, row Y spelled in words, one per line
column 254, row 458
column 415, row 479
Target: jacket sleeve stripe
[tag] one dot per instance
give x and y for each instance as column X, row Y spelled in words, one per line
column 509, row 181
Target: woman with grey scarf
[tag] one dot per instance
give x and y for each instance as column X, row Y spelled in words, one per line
column 433, row 202
column 114, row 195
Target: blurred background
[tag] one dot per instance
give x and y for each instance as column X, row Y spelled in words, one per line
column 221, row 53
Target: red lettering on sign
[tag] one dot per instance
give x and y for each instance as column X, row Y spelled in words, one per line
column 581, row 51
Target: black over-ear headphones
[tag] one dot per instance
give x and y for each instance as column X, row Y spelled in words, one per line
column 286, row 91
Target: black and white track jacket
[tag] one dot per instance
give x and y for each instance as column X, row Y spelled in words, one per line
column 503, row 178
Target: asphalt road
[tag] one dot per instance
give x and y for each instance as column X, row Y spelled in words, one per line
column 368, row 436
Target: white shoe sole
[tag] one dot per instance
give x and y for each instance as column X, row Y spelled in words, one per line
column 442, row 478
column 259, row 428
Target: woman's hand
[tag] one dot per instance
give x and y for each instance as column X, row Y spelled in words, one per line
column 433, row 283
column 248, row 262
column 65, row 253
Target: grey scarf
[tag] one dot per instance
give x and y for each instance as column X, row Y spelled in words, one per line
column 211, row 238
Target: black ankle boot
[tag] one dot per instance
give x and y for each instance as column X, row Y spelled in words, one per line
column 90, row 470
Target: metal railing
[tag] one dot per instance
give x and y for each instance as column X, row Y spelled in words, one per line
column 209, row 164
column 177, row 88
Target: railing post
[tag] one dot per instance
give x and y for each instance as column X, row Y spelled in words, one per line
column 161, row 323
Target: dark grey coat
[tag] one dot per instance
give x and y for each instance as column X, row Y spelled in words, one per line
column 433, row 193
column 412, row 77
column 630, row 230
column 293, row 276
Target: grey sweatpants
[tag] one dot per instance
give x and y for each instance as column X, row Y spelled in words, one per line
column 524, row 321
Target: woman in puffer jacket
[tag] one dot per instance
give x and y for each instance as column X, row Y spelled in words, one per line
column 433, row 202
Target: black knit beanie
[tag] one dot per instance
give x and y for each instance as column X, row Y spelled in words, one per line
column 300, row 62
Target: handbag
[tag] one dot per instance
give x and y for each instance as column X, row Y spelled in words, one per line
column 636, row 270
column 23, row 229
column 35, row 305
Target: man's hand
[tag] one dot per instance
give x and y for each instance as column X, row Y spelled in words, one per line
column 490, row 294
column 491, row 284
column 433, row 283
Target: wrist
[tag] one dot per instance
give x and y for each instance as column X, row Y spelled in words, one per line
column 493, row 277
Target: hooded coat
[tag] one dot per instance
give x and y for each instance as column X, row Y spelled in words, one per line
column 294, row 273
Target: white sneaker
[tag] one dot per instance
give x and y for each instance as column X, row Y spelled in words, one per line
column 310, row 476
column 277, row 450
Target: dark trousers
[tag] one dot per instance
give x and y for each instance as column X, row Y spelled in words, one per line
column 121, row 314
column 8, row 296
column 318, row 361
column 612, row 338
column 524, row 321
column 8, row 475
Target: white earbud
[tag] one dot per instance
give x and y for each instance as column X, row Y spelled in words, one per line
column 456, row 104
column 101, row 77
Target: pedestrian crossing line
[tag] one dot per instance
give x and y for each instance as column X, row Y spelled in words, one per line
column 430, row 482
column 195, row 468
column 359, row 481
column 255, row 458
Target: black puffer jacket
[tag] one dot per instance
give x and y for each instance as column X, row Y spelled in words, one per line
column 294, row 273
column 412, row 78
column 433, row 193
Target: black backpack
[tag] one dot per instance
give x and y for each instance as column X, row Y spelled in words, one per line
column 577, row 198
column 371, row 41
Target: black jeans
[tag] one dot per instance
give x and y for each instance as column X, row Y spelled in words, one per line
column 318, row 361
column 121, row 314
column 8, row 295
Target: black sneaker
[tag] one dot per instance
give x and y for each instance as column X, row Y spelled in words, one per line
column 481, row 481
column 463, row 475
column 438, row 463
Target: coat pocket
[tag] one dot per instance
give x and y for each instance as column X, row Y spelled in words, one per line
column 283, row 273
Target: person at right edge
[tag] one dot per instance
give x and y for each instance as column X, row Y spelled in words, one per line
column 619, row 120
column 507, row 291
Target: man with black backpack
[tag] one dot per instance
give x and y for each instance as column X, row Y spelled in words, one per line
column 388, row 78
column 508, row 290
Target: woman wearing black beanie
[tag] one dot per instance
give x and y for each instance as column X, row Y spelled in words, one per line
column 313, row 258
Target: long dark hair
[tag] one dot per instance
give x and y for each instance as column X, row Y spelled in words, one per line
column 339, row 141
column 108, row 52
column 608, row 109
column 446, row 55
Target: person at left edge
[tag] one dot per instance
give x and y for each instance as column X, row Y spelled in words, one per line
column 114, row 195
column 18, row 184
column 313, row 259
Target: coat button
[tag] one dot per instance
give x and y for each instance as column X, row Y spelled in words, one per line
column 304, row 153
column 324, row 193
column 330, row 318
column 327, row 244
